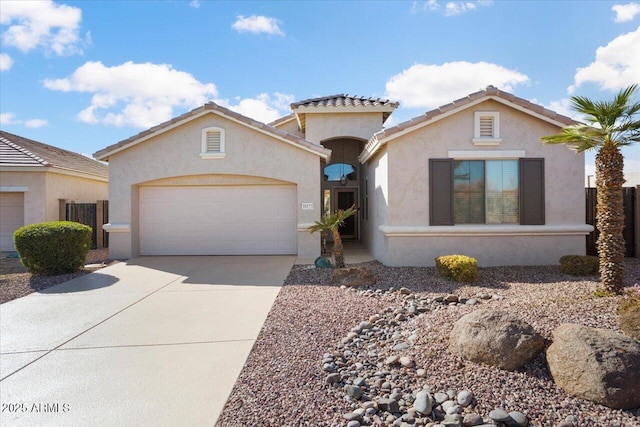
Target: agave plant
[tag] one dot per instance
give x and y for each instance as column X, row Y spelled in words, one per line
column 610, row 125
column 332, row 222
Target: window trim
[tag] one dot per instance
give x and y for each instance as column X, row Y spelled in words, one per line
column 204, row 154
column 486, row 141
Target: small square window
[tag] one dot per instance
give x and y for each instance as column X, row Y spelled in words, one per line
column 213, row 143
column 486, row 129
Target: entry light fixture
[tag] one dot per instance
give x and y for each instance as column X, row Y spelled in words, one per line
column 343, row 180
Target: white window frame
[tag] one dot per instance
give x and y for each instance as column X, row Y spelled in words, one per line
column 204, row 154
column 486, row 141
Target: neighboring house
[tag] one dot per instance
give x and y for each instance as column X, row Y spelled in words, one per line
column 471, row 177
column 35, row 177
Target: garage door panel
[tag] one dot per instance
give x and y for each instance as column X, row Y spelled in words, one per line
column 230, row 220
column 11, row 218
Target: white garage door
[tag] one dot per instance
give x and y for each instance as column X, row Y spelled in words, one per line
column 11, row 218
column 222, row 220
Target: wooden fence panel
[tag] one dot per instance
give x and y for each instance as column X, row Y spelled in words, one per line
column 629, row 232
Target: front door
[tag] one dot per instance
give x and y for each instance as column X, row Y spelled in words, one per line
column 345, row 198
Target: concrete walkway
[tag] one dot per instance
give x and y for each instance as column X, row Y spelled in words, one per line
column 153, row 341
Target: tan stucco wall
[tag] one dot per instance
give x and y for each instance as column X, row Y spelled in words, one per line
column 320, row 127
column 44, row 189
column 292, row 127
column 378, row 194
column 250, row 157
column 408, row 193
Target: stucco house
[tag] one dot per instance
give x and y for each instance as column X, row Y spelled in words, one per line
column 470, row 177
column 35, row 177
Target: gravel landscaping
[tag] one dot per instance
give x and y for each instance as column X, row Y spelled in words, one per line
column 316, row 349
column 15, row 282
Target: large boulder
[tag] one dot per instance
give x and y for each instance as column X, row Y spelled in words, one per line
column 495, row 338
column 600, row 365
column 353, row 276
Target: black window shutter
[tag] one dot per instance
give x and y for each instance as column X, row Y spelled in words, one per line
column 441, row 192
column 532, row 191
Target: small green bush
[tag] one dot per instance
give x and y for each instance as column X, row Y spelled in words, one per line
column 53, row 247
column 460, row 268
column 579, row 265
column 629, row 313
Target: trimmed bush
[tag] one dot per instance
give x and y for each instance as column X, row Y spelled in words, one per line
column 460, row 268
column 53, row 247
column 579, row 265
column 629, row 313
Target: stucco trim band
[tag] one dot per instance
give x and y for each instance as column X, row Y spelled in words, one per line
column 486, row 230
column 14, row 189
column 116, row 228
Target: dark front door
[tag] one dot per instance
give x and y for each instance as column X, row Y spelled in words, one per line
column 344, row 199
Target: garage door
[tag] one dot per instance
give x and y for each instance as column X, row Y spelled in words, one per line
column 222, row 220
column 11, row 218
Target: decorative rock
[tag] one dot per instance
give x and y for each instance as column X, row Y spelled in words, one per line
column 423, row 402
column 518, row 419
column 453, row 409
column 353, row 423
column 441, row 398
column 359, row 382
column 453, row 420
column 353, row 391
column 471, row 301
column 406, row 361
column 333, row 378
column 392, row 360
column 451, row 298
column 464, row 398
column 596, row 364
column 405, row 291
column 495, row 338
column 471, row 420
column 388, row 405
column 401, row 346
column 353, row 277
column 421, row 373
column 352, row 416
column 499, row 415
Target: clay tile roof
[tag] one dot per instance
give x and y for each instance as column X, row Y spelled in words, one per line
column 211, row 106
column 16, row 151
column 490, row 91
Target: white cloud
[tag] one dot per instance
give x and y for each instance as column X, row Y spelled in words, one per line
column 451, row 8
column 257, row 24
column 195, row 4
column 5, row 62
column 429, row 86
column 32, row 24
column 563, row 106
column 263, row 108
column 35, row 123
column 133, row 94
column 626, row 12
column 7, row 118
column 617, row 64
column 10, row 119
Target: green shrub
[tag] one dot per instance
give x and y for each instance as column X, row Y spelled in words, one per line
column 629, row 313
column 53, row 247
column 579, row 265
column 460, row 268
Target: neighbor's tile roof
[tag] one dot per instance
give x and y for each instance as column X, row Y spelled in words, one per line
column 343, row 100
column 212, row 106
column 16, row 151
column 489, row 92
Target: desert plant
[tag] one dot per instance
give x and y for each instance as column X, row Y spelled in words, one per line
column 460, row 268
column 332, row 222
column 53, row 247
column 610, row 125
column 629, row 313
column 579, row 265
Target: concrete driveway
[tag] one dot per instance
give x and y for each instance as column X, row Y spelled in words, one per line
column 153, row 341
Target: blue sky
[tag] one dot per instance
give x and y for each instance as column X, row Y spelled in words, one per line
column 83, row 75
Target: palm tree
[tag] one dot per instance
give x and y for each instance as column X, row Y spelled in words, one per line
column 610, row 125
column 332, row 222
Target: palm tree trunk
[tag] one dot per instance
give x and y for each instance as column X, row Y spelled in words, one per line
column 338, row 256
column 610, row 217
